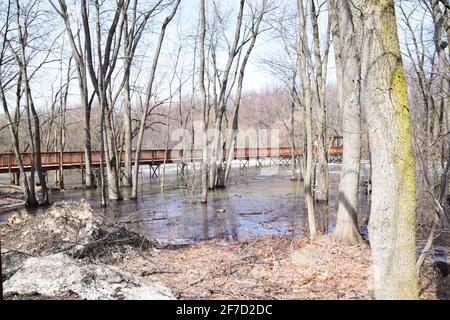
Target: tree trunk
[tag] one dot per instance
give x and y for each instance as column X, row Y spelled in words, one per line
column 237, row 99
column 102, row 157
column 77, row 53
column 215, row 153
column 127, row 179
column 348, row 19
column 392, row 218
column 321, row 194
column 128, row 164
column 83, row 87
column 222, row 101
column 443, row 68
column 111, row 154
column 31, row 113
column 204, row 165
column 62, row 126
column 292, row 132
column 30, row 197
column 308, row 150
column 148, row 97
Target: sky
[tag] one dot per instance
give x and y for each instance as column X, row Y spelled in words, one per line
column 184, row 26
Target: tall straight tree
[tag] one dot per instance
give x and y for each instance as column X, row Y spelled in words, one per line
column 147, row 109
column 347, row 47
column 392, row 225
column 101, row 80
column 216, row 152
column 80, row 61
column 33, row 122
column 204, row 166
column 303, row 52
column 256, row 23
column 320, row 83
column 440, row 21
column 5, row 78
column 133, row 29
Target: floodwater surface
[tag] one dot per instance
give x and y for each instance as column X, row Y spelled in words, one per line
column 256, row 202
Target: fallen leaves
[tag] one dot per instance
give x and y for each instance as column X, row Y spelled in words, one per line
column 261, row 269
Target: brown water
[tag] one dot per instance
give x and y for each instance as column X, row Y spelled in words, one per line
column 256, row 203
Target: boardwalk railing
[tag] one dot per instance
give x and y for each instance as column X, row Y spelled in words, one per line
column 76, row 159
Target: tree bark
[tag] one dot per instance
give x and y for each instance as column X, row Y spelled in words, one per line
column 392, row 219
column 308, row 150
column 127, row 180
column 321, row 194
column 204, row 165
column 349, row 36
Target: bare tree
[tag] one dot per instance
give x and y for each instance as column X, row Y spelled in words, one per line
column 222, row 98
column 86, row 103
column 307, row 102
column 320, row 80
column 255, row 30
column 6, row 76
column 169, row 106
column 347, row 38
column 204, row 166
column 133, row 30
column 23, row 18
column 62, row 132
column 428, row 80
column 101, row 80
column 147, row 109
column 392, row 219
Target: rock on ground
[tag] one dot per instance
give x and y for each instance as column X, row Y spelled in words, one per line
column 57, row 255
column 307, row 256
column 59, row 275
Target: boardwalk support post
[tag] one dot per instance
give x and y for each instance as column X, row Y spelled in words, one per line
column 154, row 171
column 82, row 177
column 259, row 163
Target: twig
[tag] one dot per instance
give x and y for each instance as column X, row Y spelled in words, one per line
column 142, row 220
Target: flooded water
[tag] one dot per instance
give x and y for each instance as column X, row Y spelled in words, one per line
column 256, row 202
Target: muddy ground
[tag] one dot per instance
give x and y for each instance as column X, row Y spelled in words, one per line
column 273, row 267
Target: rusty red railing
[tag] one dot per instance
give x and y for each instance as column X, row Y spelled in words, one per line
column 76, row 159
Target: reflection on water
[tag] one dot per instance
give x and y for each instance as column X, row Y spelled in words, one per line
column 254, row 204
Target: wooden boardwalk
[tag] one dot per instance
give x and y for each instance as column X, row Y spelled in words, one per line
column 76, row 159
